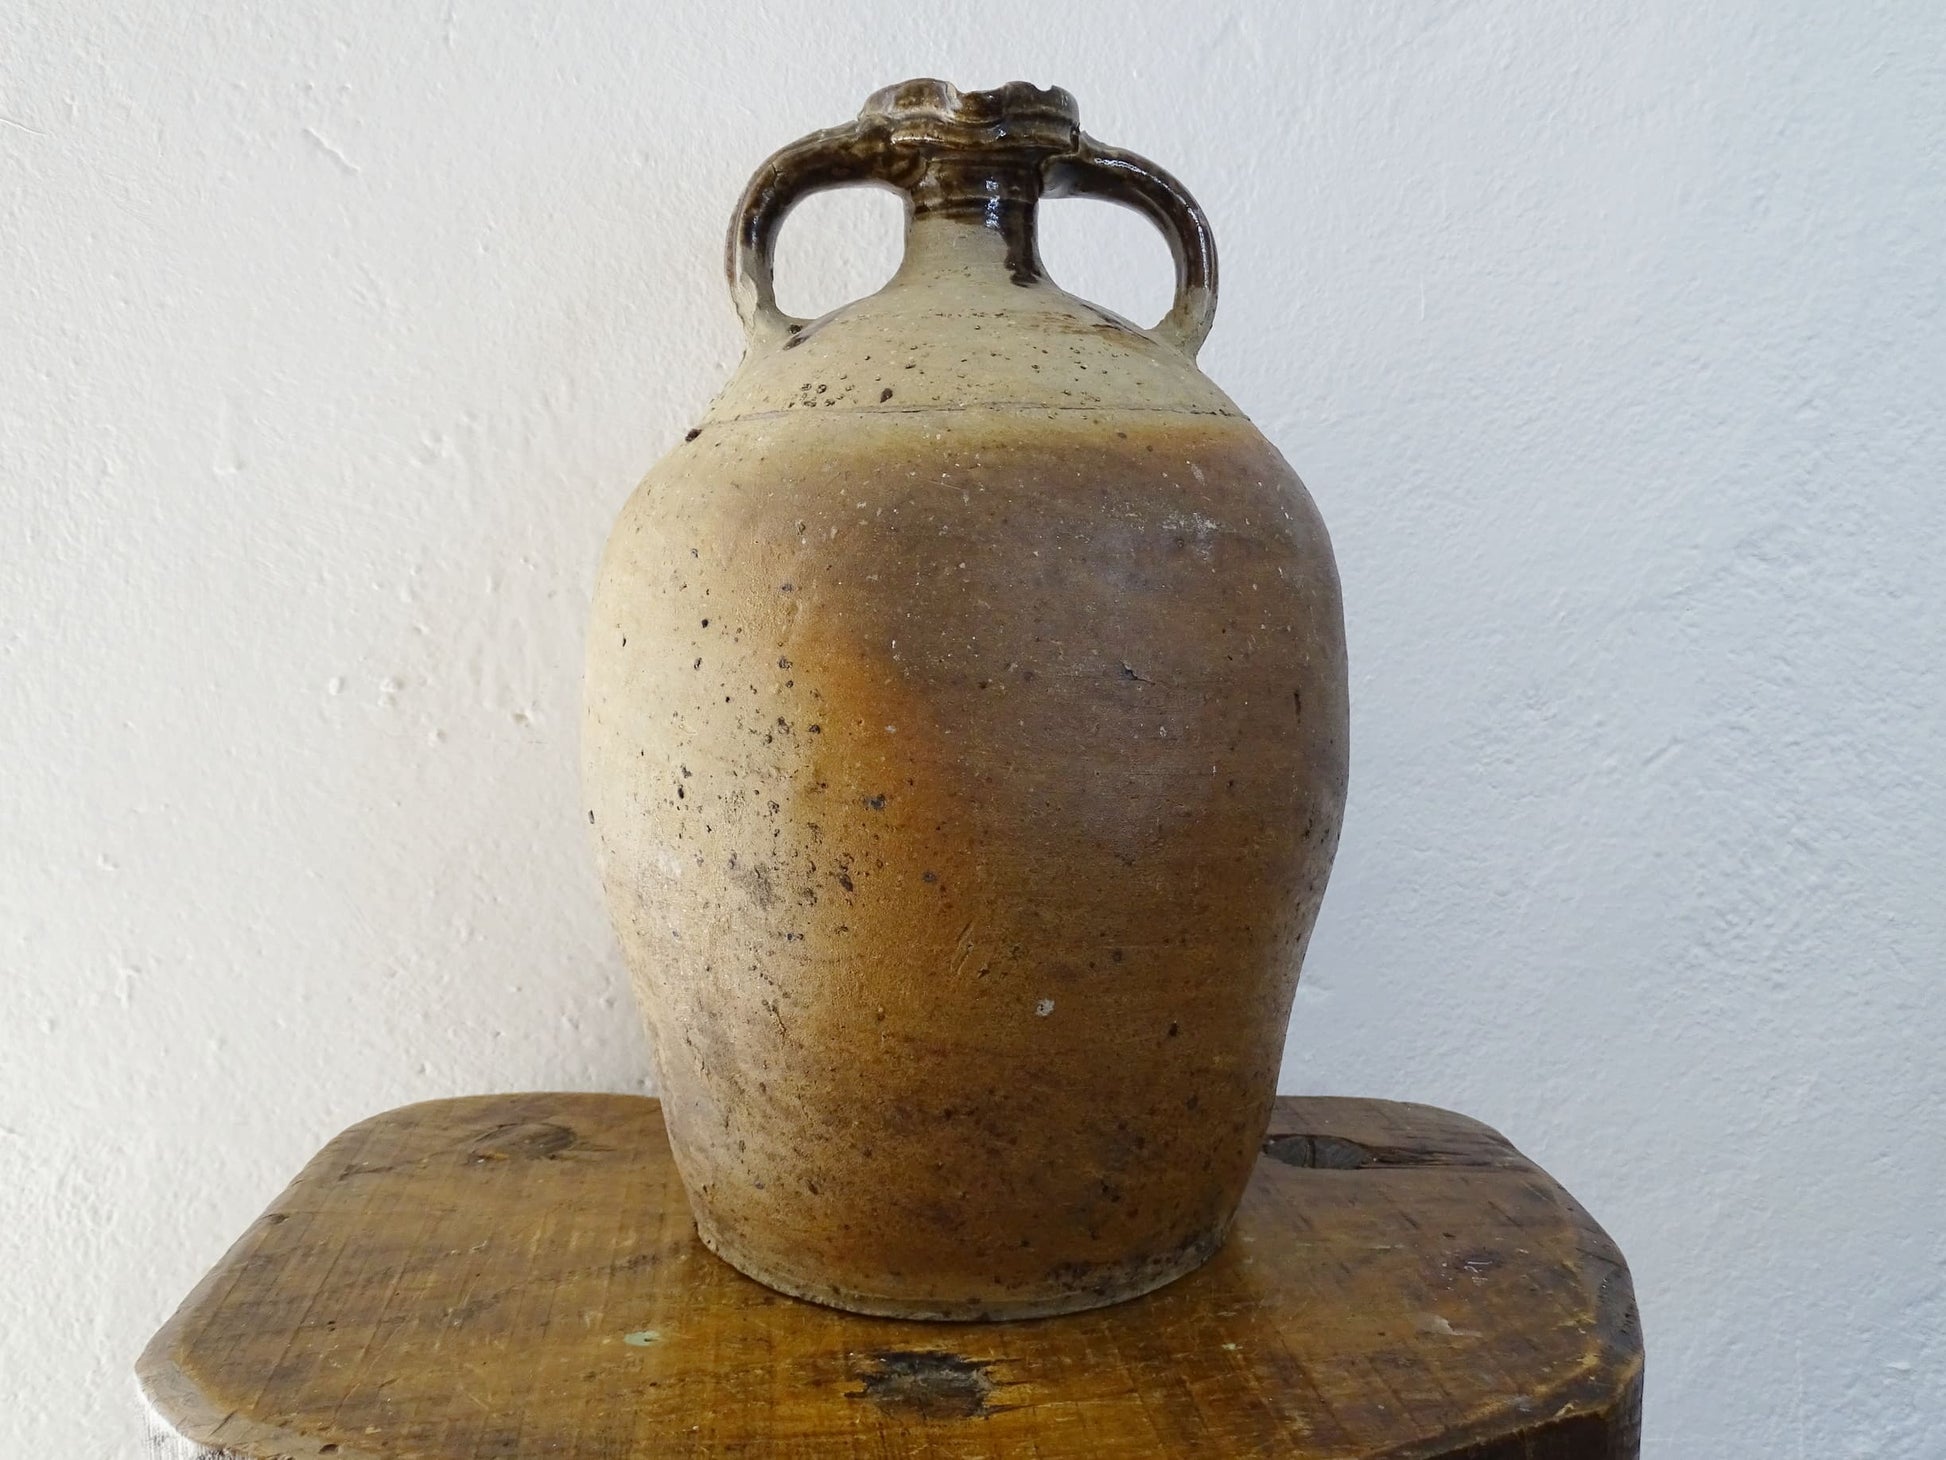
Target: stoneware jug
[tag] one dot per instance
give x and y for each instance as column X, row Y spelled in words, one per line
column 965, row 749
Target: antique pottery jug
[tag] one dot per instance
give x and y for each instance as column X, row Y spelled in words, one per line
column 965, row 749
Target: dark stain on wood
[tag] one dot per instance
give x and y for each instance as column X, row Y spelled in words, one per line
column 536, row 1141
column 931, row 1383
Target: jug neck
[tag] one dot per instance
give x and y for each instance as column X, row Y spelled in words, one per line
column 972, row 214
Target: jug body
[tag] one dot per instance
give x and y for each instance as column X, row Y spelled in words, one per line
column 965, row 748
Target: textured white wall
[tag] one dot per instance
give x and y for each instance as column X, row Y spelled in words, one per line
column 1609, row 340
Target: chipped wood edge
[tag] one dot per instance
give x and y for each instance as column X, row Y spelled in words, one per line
column 181, row 1425
column 166, row 1442
column 1600, row 1404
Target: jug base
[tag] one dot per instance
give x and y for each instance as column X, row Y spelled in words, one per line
column 1100, row 1287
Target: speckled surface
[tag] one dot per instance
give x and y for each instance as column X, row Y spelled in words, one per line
column 966, row 753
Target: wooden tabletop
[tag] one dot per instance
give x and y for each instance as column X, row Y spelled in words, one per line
column 517, row 1276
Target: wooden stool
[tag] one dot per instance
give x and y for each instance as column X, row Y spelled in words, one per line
column 516, row 1276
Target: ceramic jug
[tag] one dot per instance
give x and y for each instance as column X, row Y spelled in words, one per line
column 965, row 749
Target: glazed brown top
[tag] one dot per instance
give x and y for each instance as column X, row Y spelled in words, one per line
column 936, row 115
column 983, row 159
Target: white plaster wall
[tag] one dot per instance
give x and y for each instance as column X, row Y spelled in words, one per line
column 1608, row 338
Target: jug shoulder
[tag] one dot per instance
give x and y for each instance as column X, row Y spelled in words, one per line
column 938, row 347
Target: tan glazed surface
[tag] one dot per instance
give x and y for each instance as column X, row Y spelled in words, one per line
column 965, row 754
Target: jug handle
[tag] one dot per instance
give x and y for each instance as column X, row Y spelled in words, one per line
column 855, row 153
column 833, row 158
column 1096, row 171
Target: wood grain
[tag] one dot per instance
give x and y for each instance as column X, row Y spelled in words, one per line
column 516, row 1276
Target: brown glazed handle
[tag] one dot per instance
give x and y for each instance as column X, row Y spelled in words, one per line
column 865, row 151
column 1095, row 171
column 832, row 158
